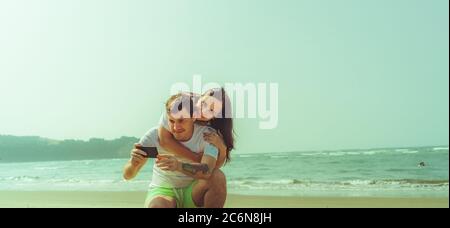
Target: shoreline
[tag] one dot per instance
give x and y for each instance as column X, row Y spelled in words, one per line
column 83, row 199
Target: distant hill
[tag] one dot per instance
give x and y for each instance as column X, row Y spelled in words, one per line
column 33, row 148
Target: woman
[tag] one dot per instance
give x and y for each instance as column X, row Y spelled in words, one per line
column 213, row 109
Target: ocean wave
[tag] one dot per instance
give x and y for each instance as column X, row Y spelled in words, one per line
column 245, row 178
column 297, row 183
column 337, row 154
column 401, row 150
column 278, row 156
column 440, row 148
column 47, row 168
column 21, row 178
column 246, row 156
column 343, row 153
column 353, row 153
column 310, row 154
column 40, row 180
column 413, row 182
column 410, row 152
column 380, row 151
column 303, row 154
column 369, row 152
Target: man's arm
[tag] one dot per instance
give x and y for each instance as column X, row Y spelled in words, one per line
column 136, row 162
column 130, row 171
column 201, row 170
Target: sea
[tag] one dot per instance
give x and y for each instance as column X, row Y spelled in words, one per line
column 393, row 172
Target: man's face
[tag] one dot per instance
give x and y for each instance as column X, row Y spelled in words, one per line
column 180, row 126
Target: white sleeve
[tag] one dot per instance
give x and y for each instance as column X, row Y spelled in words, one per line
column 211, row 150
column 150, row 139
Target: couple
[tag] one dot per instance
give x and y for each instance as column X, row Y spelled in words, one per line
column 194, row 140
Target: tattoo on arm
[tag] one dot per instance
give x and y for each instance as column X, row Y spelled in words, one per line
column 195, row 168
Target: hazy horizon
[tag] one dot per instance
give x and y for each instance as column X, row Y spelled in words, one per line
column 318, row 150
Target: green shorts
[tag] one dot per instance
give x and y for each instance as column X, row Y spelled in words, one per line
column 183, row 196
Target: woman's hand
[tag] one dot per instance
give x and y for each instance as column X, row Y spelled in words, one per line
column 168, row 162
column 216, row 139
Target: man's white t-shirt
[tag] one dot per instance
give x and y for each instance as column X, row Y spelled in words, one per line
column 196, row 144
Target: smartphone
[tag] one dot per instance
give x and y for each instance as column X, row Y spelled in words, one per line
column 152, row 152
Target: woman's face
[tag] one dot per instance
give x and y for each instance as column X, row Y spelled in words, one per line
column 210, row 107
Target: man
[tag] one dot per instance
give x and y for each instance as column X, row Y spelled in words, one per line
column 177, row 182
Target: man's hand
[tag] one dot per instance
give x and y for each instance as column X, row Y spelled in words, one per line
column 168, row 162
column 138, row 158
column 136, row 162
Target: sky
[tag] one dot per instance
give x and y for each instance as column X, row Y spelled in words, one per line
column 350, row 73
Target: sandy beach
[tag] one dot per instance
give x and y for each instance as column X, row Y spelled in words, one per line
column 48, row 199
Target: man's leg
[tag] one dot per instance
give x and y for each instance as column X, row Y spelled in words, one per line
column 162, row 202
column 211, row 193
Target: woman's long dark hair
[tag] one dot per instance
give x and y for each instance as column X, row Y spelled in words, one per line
column 223, row 122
